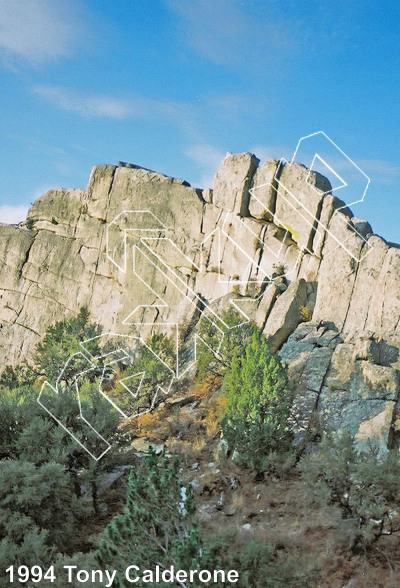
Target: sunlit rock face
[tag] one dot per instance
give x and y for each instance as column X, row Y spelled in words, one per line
column 323, row 288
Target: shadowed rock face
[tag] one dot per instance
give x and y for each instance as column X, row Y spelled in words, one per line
column 335, row 320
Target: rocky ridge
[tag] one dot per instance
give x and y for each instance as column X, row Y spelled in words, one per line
column 334, row 319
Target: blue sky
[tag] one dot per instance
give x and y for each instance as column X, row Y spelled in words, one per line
column 174, row 84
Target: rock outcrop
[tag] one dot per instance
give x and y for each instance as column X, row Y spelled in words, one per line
column 320, row 284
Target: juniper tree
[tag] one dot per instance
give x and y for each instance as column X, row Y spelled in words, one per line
column 62, row 340
column 42, row 467
column 37, row 512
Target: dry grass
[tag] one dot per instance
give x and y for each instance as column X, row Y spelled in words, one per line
column 214, row 414
column 188, row 451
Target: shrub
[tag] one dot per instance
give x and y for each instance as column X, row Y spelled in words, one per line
column 305, row 314
column 262, row 565
column 366, row 485
column 62, row 340
column 236, row 290
column 157, row 373
column 153, row 425
column 259, row 398
column 233, row 344
column 205, row 387
column 14, row 377
column 280, row 269
column 213, row 416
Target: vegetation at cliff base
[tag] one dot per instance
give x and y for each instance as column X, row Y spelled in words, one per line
column 196, row 496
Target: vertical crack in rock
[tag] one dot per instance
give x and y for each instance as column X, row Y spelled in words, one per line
column 27, row 254
column 353, row 285
column 102, row 233
column 232, row 183
column 310, row 244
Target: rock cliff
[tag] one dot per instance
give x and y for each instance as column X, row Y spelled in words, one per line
column 317, row 281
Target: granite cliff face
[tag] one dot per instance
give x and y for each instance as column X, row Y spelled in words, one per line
column 319, row 283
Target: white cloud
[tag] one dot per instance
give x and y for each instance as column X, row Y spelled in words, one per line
column 230, row 32
column 39, row 30
column 265, row 152
column 88, row 106
column 208, row 158
column 380, row 170
column 13, row 214
column 205, row 155
column 159, row 111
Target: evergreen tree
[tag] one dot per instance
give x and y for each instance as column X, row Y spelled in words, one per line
column 157, row 373
column 259, row 398
column 233, row 344
column 37, row 512
column 61, row 341
column 158, row 525
column 42, row 468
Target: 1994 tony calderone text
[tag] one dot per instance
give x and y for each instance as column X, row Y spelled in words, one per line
column 132, row 574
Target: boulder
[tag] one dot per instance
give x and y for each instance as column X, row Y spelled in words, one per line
column 232, row 182
column 264, row 191
column 143, row 446
column 299, row 202
column 285, row 315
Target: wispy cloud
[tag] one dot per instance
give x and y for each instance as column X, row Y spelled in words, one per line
column 381, row 170
column 205, row 155
column 230, row 32
column 91, row 106
column 265, row 152
column 208, row 158
column 39, row 31
column 13, row 214
column 153, row 110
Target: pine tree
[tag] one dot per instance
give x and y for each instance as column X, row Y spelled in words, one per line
column 158, row 525
column 259, row 398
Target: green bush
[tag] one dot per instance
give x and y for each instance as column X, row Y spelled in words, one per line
column 259, row 398
column 262, row 565
column 157, row 373
column 233, row 344
column 42, row 468
column 366, row 485
column 62, row 340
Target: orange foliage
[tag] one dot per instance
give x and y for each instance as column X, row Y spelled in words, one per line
column 214, row 414
column 206, row 387
column 152, row 424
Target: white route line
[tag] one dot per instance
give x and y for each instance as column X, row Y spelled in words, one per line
column 156, row 225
